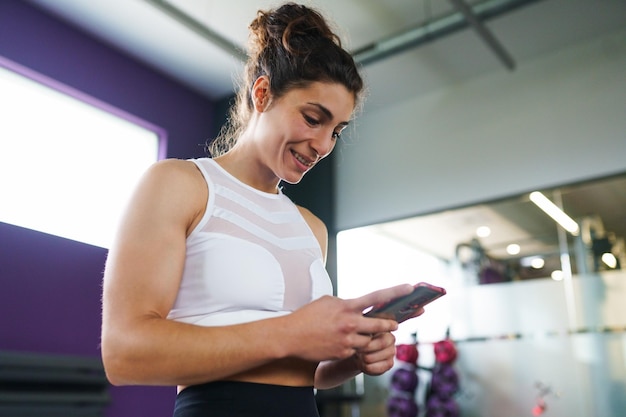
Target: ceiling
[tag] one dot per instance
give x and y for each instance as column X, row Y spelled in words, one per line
column 179, row 46
column 200, row 44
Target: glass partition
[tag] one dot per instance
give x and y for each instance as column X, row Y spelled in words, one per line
column 535, row 311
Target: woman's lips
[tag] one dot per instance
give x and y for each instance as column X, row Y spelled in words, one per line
column 306, row 162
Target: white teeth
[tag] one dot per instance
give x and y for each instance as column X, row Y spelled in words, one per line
column 302, row 160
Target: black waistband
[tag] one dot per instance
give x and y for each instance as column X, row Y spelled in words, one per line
column 244, row 399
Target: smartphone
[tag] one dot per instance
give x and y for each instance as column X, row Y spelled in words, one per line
column 403, row 308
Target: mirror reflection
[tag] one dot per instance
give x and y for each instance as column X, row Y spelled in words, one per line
column 515, row 239
column 533, row 308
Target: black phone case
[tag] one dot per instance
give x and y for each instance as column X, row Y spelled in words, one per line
column 405, row 307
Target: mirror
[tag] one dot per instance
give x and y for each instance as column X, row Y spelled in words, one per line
column 513, row 239
column 517, row 330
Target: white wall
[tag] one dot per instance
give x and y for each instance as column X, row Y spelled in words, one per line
column 556, row 120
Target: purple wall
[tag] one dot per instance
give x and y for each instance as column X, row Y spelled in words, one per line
column 51, row 287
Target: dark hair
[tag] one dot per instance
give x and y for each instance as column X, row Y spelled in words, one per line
column 294, row 46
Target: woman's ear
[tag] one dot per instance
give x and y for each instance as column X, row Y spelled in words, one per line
column 261, row 95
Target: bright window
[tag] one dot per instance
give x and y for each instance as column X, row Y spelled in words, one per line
column 68, row 163
column 368, row 261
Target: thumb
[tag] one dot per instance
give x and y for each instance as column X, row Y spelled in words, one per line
column 380, row 296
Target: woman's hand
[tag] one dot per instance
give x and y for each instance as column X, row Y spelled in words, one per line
column 377, row 357
column 332, row 328
column 375, row 351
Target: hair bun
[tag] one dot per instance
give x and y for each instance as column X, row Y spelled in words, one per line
column 293, row 26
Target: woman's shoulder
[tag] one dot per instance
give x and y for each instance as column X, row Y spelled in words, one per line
column 309, row 216
column 175, row 177
column 175, row 170
column 315, row 223
column 174, row 187
column 174, row 165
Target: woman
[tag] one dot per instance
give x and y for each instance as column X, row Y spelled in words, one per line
column 216, row 281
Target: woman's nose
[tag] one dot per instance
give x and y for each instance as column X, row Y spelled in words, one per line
column 324, row 143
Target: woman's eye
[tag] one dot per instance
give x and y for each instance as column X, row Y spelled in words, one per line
column 311, row 120
column 339, row 130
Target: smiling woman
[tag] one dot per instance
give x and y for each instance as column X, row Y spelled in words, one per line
column 216, row 282
column 57, row 147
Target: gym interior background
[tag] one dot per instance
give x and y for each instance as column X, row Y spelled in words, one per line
column 447, row 142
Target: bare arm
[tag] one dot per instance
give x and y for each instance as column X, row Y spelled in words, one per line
column 142, row 275
column 143, row 272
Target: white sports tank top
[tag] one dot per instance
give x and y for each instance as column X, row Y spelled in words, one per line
column 252, row 256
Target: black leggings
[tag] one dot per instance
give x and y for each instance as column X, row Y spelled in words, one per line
column 244, row 399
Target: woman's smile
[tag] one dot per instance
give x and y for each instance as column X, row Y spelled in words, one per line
column 305, row 162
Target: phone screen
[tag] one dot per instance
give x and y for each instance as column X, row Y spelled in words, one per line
column 405, row 307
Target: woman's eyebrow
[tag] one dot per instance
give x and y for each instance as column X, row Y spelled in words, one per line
column 327, row 112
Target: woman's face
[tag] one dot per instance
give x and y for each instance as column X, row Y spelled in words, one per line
column 302, row 127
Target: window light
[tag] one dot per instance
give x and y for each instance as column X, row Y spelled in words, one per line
column 68, row 163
